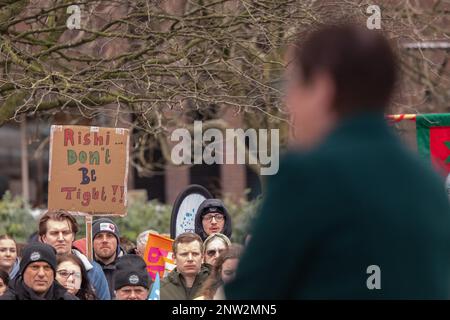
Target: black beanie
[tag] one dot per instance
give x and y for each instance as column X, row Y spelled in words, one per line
column 105, row 225
column 131, row 261
column 131, row 277
column 38, row 252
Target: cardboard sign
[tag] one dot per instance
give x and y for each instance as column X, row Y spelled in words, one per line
column 88, row 170
column 159, row 256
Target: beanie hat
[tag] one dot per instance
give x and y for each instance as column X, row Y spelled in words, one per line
column 38, row 252
column 131, row 277
column 106, row 225
column 131, row 262
column 207, row 210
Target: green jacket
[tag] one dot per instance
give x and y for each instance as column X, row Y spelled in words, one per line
column 358, row 199
column 174, row 288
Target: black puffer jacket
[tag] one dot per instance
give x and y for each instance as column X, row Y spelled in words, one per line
column 208, row 203
column 17, row 290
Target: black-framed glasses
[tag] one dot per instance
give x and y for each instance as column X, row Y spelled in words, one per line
column 218, row 216
column 66, row 274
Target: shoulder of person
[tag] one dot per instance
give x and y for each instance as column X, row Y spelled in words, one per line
column 165, row 282
column 88, row 265
column 69, row 296
column 9, row 295
column 296, row 165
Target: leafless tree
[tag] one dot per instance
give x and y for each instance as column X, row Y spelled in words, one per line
column 156, row 65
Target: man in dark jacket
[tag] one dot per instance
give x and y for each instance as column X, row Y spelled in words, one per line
column 212, row 217
column 352, row 214
column 184, row 282
column 36, row 280
column 106, row 243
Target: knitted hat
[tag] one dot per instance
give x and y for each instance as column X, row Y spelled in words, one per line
column 131, row 277
column 106, row 225
column 38, row 252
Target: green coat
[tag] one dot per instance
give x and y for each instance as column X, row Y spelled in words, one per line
column 174, row 288
column 358, row 199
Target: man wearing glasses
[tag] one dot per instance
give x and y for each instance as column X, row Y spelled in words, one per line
column 212, row 217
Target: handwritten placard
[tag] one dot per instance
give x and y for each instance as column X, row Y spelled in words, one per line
column 88, row 170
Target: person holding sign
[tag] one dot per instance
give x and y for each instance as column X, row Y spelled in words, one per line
column 36, row 280
column 212, row 217
column 107, row 251
column 185, row 281
column 59, row 229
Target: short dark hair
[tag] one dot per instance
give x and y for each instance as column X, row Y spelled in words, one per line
column 360, row 61
column 58, row 216
column 187, row 237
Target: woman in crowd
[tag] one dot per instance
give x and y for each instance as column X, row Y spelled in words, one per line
column 213, row 246
column 9, row 261
column 71, row 274
column 223, row 272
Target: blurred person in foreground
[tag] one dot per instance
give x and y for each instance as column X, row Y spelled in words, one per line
column 349, row 195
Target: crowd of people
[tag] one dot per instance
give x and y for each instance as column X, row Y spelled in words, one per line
column 54, row 265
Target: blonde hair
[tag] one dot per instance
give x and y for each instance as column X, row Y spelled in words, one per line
column 212, row 237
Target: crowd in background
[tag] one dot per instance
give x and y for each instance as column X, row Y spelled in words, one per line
column 53, row 265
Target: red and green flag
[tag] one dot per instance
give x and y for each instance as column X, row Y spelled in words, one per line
column 433, row 140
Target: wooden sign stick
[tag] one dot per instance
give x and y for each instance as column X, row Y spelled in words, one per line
column 88, row 220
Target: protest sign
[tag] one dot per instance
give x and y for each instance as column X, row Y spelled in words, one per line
column 88, row 170
column 159, row 256
column 185, row 209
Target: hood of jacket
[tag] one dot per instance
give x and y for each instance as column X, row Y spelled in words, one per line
column 208, row 203
column 15, row 269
